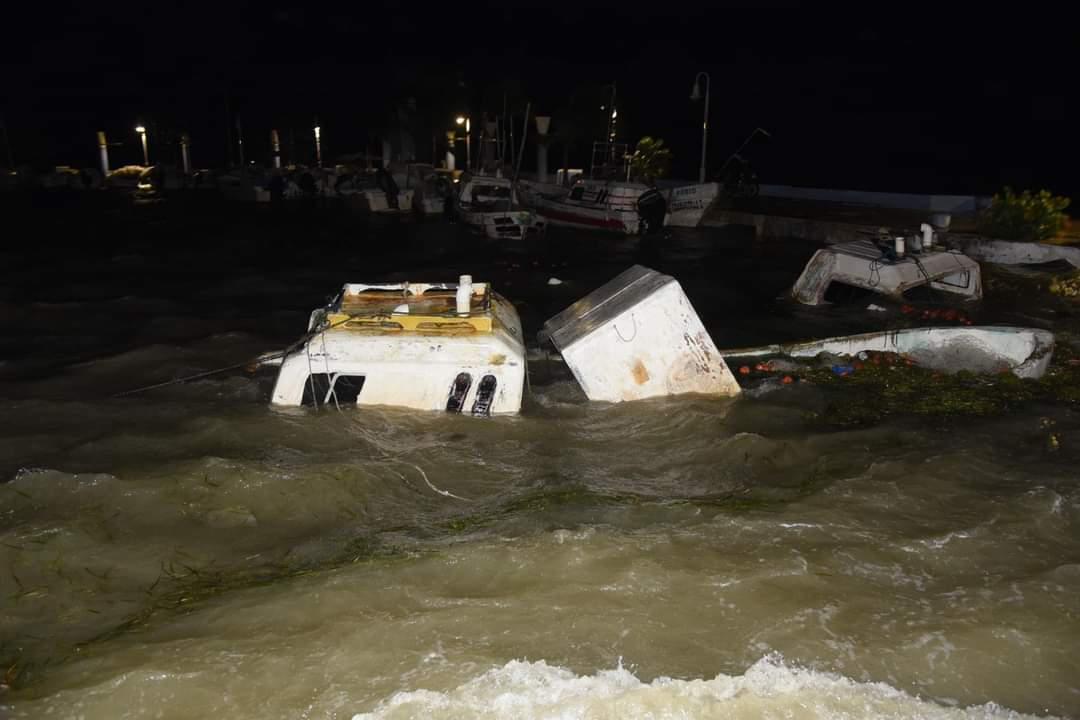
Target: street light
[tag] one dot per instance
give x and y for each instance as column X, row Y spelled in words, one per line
column 463, row 120
column 318, row 145
column 695, row 94
column 142, row 134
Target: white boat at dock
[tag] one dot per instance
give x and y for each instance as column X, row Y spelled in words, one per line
column 456, row 348
column 1025, row 352
column 618, row 206
column 376, row 192
column 610, row 206
column 432, row 188
column 687, row 204
column 489, row 205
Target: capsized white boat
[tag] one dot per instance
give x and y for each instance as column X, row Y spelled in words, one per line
column 1026, row 352
column 428, row 346
column 489, row 206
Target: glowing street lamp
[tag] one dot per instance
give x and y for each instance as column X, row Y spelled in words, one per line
column 142, row 135
column 318, row 145
column 464, row 120
column 695, row 94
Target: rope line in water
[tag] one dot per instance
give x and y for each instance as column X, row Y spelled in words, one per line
column 255, row 360
column 444, row 493
column 196, row 376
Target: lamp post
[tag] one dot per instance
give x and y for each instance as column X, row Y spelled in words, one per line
column 103, row 151
column 466, row 121
column 275, row 145
column 318, row 145
column 141, row 129
column 185, row 154
column 695, row 94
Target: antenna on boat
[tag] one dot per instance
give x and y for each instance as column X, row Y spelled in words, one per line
column 524, row 134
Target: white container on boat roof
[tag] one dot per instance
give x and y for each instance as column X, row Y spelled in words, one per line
column 464, row 294
column 638, row 337
column 407, row 345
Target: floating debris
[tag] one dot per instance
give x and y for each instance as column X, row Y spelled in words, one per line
column 637, row 337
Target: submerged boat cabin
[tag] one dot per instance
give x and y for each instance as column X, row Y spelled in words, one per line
column 429, row 346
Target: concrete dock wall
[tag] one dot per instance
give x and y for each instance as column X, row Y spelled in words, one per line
column 957, row 204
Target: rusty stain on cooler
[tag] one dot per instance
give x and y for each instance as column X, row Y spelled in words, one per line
column 641, row 375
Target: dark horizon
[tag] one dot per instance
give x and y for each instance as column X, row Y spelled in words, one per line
column 953, row 101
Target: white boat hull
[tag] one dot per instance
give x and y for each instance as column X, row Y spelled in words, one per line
column 375, row 201
column 589, row 205
column 687, row 205
column 1025, row 352
column 509, row 225
column 411, row 369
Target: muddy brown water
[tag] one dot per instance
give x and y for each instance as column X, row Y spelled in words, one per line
column 191, row 552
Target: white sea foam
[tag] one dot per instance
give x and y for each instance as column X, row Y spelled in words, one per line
column 768, row 689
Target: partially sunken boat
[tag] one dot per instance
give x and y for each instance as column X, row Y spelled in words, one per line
column 636, row 337
column 489, row 206
column 865, row 264
column 1025, row 352
column 447, row 347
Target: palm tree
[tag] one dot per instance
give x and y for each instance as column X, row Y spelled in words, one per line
column 650, row 161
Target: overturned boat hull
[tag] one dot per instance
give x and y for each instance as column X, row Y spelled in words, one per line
column 1025, row 352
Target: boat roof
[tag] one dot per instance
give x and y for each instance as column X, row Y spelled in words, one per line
column 488, row 180
column 419, row 308
column 603, row 305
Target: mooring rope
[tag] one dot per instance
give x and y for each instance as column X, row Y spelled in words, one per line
column 253, row 361
column 444, row 493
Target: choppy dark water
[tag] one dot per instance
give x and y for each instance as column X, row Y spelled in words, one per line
column 191, row 552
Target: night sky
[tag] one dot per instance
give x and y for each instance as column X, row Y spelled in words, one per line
column 871, row 96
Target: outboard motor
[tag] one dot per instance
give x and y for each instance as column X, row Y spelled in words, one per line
column 385, row 182
column 652, row 208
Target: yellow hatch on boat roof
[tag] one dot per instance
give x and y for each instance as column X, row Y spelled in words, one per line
column 422, row 308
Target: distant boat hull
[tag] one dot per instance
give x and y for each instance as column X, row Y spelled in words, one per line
column 687, row 205
column 612, row 206
column 589, row 205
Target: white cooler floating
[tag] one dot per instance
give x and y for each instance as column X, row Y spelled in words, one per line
column 638, row 337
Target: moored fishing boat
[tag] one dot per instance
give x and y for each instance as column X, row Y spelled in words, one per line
column 687, row 204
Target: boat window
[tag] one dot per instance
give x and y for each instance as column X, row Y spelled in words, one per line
column 844, row 294
column 315, row 389
column 325, row 387
column 485, row 394
column 347, row 388
column 458, row 390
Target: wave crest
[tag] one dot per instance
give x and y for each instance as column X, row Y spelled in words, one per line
column 768, row 689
